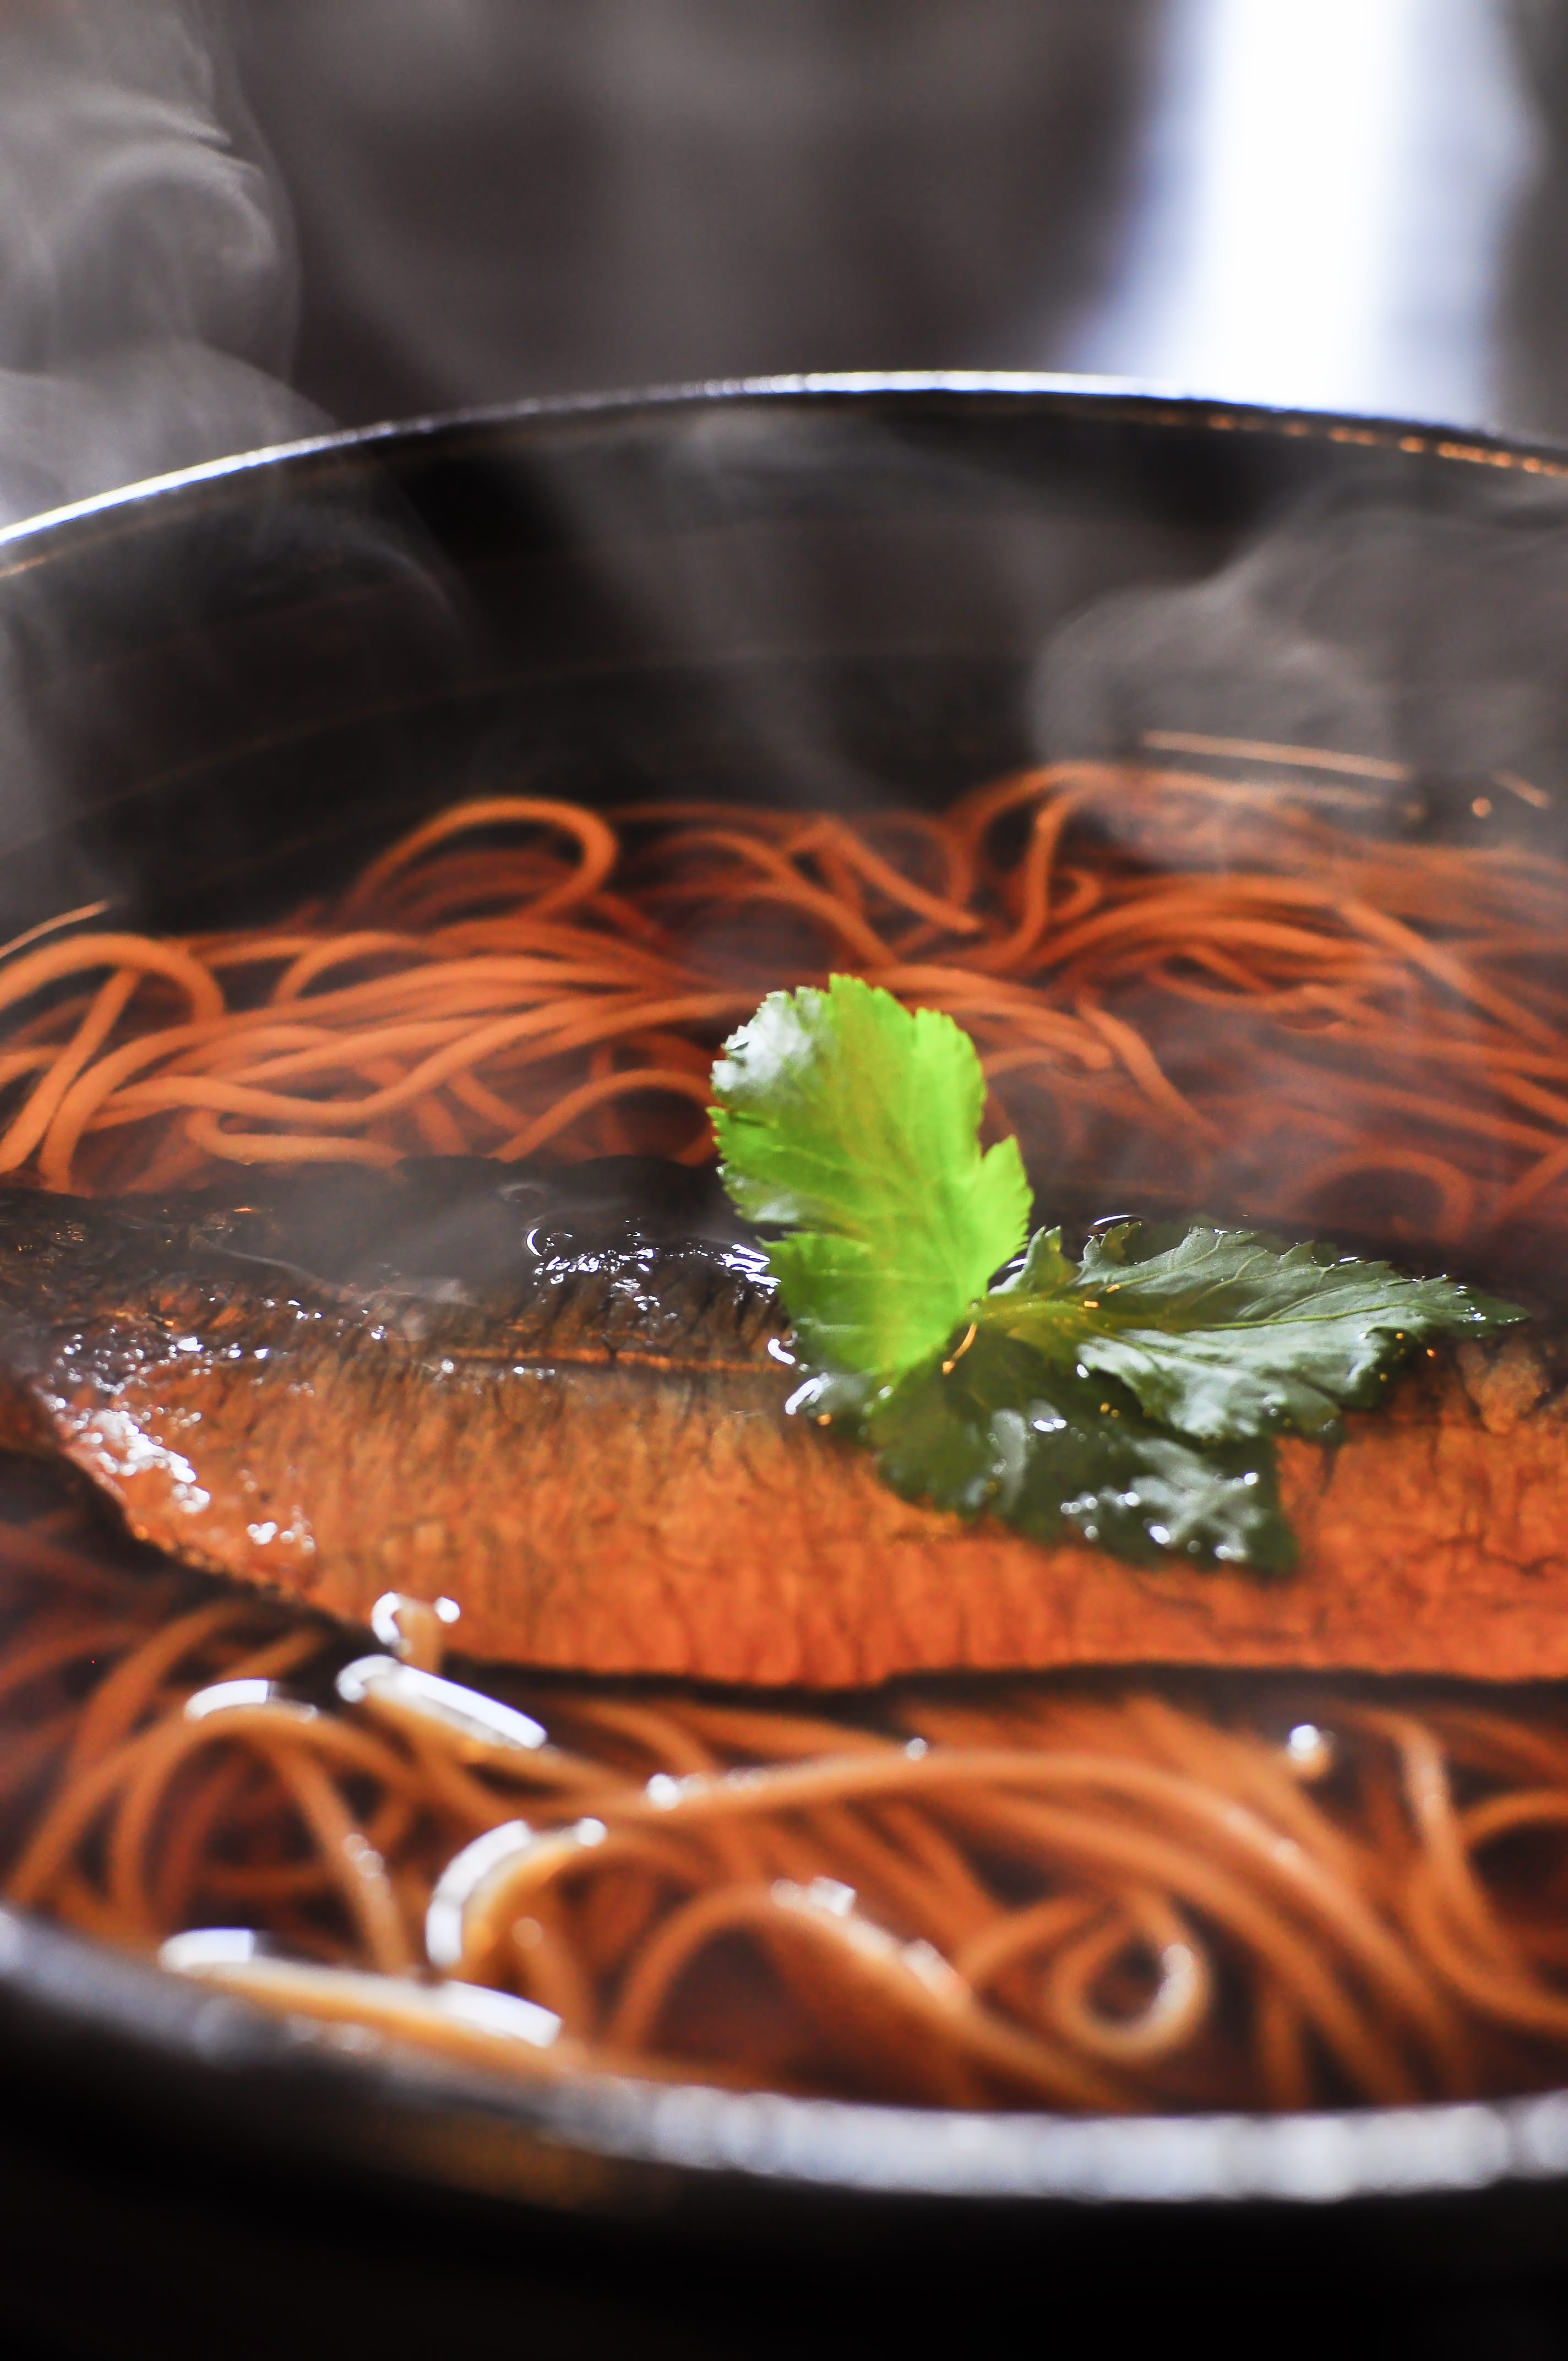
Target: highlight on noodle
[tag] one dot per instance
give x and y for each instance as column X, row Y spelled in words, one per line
column 1100, row 1892
column 1081, row 1895
column 1200, row 988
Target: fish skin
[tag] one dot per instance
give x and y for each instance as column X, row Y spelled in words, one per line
column 513, row 1394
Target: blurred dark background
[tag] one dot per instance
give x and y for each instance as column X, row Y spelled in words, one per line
column 1349, row 203
column 224, row 222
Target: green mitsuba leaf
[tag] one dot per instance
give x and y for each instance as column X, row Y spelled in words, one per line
column 1060, row 1456
column 852, row 1123
column 1130, row 1399
column 1228, row 1334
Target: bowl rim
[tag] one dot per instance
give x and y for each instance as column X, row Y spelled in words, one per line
column 55, row 1985
column 82, row 2009
column 1148, row 402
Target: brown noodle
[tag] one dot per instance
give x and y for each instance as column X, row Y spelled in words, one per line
column 1061, row 1894
column 1188, row 985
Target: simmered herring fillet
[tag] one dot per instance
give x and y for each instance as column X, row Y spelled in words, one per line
column 562, row 1402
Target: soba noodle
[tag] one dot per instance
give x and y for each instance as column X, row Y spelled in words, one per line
column 1081, row 1895
column 1201, row 989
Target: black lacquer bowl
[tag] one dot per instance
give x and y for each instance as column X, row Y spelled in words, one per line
column 222, row 689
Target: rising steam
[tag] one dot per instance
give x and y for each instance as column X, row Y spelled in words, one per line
column 148, row 277
column 1413, row 621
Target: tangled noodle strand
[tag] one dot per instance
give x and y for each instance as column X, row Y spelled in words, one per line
column 1195, row 987
column 1044, row 1893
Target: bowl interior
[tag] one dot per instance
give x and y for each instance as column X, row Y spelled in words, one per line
column 221, row 692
